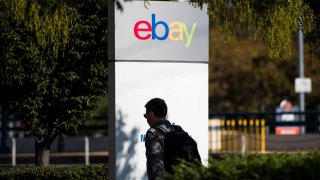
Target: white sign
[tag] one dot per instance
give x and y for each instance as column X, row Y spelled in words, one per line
column 160, row 50
column 302, row 85
column 184, row 87
column 171, row 31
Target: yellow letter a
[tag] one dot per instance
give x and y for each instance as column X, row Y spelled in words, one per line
column 177, row 29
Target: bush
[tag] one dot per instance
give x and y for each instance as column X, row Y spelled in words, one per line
column 301, row 165
column 96, row 172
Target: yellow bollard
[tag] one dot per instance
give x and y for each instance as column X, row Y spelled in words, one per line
column 257, row 135
column 223, row 139
column 251, row 135
column 211, row 129
column 228, row 139
column 218, row 135
column 233, row 130
column 263, row 136
column 239, row 134
column 245, row 133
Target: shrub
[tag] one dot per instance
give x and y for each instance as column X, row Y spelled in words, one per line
column 301, row 165
column 96, row 172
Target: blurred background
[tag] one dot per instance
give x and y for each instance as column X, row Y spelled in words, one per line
column 244, row 84
column 253, row 105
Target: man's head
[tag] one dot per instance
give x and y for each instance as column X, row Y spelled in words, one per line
column 156, row 110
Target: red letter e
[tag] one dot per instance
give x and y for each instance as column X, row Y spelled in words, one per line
column 146, row 28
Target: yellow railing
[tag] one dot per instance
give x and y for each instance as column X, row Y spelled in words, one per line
column 237, row 135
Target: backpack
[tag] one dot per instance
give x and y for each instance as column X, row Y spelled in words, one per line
column 178, row 146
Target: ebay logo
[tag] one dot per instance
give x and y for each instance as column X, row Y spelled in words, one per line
column 175, row 31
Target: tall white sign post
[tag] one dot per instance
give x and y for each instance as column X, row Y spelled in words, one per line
column 160, row 50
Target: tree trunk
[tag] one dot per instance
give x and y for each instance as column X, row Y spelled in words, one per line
column 60, row 143
column 42, row 151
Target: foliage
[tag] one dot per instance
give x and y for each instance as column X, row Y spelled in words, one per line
column 301, row 165
column 55, row 172
column 53, row 91
column 50, row 21
column 273, row 21
column 313, row 38
column 243, row 78
column 102, row 109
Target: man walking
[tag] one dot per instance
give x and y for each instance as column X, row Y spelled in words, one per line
column 156, row 112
